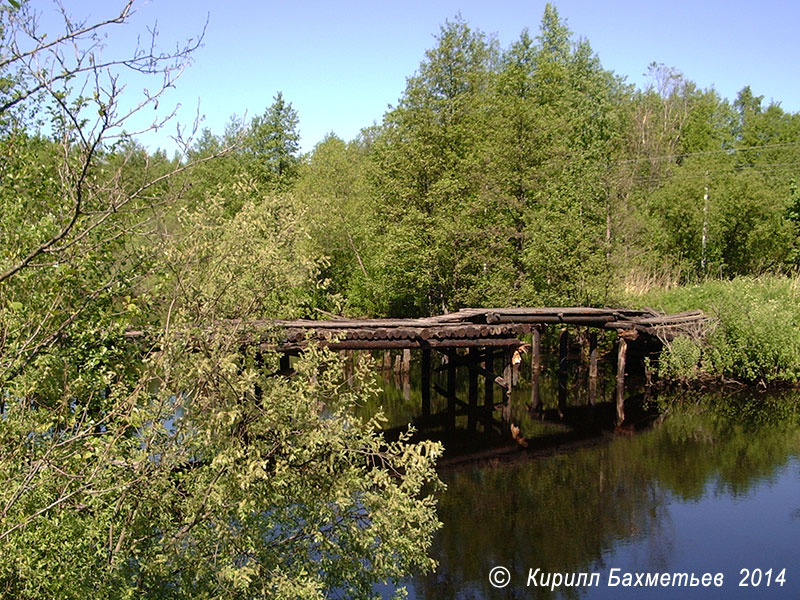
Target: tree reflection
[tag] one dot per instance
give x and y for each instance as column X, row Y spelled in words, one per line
column 565, row 513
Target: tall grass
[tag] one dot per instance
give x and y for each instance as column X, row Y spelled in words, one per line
column 755, row 335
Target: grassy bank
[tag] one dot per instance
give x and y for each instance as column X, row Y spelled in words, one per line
column 755, row 335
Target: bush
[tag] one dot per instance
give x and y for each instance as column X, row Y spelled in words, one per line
column 755, row 335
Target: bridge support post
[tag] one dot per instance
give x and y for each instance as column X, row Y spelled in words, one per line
column 563, row 344
column 473, row 390
column 425, row 382
column 536, row 368
column 451, row 390
column 488, row 390
column 406, row 364
column 592, row 368
column 507, row 387
column 405, row 374
column 621, row 351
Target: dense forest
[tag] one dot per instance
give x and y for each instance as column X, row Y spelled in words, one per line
column 178, row 467
column 531, row 175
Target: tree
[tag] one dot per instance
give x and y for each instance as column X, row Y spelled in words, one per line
column 559, row 129
column 271, row 145
column 144, row 451
column 425, row 157
column 333, row 192
column 73, row 201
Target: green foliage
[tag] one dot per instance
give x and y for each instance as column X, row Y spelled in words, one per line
column 680, row 360
column 490, row 175
column 145, row 451
column 756, row 335
column 333, row 194
column 531, row 175
column 207, row 488
column 271, row 145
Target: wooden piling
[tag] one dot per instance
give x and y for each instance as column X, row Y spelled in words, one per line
column 488, row 389
column 451, row 392
column 405, row 374
column 536, row 368
column 621, row 351
column 507, row 388
column 563, row 345
column 592, row 368
column 425, row 381
column 473, row 390
column 406, row 364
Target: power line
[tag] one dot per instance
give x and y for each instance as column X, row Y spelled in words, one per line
column 730, row 170
column 729, row 151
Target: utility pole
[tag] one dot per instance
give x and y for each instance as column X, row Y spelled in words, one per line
column 705, row 229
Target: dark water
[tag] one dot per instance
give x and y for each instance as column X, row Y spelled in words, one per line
column 711, row 485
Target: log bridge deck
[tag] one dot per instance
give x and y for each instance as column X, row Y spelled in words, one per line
column 481, row 327
column 488, row 335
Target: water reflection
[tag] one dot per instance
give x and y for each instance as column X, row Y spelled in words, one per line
column 713, row 486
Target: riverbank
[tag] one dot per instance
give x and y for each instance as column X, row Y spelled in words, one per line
column 754, row 336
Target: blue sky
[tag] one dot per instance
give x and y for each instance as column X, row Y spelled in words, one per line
column 342, row 64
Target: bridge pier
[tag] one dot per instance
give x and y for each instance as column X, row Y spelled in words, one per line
column 563, row 347
column 621, row 351
column 472, row 414
column 536, row 367
column 451, row 391
column 592, row 368
column 425, row 382
column 508, row 384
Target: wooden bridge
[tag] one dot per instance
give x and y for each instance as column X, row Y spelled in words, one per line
column 486, row 342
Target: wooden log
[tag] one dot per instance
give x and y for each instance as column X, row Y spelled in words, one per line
column 406, row 365
column 692, row 315
column 473, row 390
column 589, row 320
column 425, row 379
column 592, row 368
column 536, row 368
column 451, row 394
column 621, row 351
column 557, row 310
column 563, row 346
column 488, row 389
column 407, row 333
column 498, row 342
column 507, row 389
